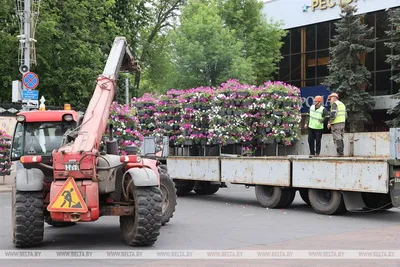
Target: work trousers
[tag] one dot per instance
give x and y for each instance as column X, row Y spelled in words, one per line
column 314, row 140
column 338, row 135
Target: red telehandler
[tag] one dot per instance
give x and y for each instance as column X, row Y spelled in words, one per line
column 65, row 177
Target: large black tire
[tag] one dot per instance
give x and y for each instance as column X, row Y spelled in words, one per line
column 183, row 187
column 143, row 228
column 27, row 218
column 375, row 201
column 49, row 221
column 168, row 193
column 327, row 202
column 304, row 196
column 274, row 196
column 206, row 188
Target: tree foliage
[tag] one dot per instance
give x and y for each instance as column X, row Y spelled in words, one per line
column 394, row 60
column 261, row 37
column 348, row 76
column 205, row 52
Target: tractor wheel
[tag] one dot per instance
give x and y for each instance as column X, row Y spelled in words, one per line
column 206, row 188
column 274, row 196
column 304, row 196
column 143, row 228
column 27, row 217
column 168, row 193
column 328, row 202
column 183, row 187
column 49, row 221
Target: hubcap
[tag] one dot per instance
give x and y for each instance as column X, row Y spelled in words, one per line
column 268, row 191
column 324, row 197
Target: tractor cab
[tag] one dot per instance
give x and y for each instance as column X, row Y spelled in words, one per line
column 38, row 133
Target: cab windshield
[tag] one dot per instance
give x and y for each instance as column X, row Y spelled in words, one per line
column 39, row 138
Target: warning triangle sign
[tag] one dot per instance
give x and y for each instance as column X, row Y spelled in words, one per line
column 68, row 199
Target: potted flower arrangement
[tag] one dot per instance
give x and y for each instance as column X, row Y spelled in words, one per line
column 5, row 146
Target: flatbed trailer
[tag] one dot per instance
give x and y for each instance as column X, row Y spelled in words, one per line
column 331, row 185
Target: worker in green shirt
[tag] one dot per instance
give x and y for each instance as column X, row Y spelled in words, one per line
column 337, row 121
column 315, row 125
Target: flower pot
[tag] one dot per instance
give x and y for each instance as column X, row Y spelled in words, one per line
column 139, row 105
column 237, row 112
column 278, row 121
column 197, row 141
column 268, row 130
column 229, row 112
column 278, row 113
column 141, row 112
column 262, row 112
column 230, row 141
column 278, row 140
column 177, row 118
column 203, row 142
column 188, row 142
column 243, row 94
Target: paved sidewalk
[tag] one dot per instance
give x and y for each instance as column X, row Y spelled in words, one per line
column 6, row 182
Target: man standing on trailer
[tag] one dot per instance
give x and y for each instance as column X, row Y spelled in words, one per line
column 337, row 121
column 315, row 125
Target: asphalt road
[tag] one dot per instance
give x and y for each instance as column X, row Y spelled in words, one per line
column 230, row 219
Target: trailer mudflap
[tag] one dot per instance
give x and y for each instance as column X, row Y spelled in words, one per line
column 395, row 191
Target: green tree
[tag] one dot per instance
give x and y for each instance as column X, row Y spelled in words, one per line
column 348, row 76
column 394, row 60
column 206, row 52
column 8, row 49
column 261, row 37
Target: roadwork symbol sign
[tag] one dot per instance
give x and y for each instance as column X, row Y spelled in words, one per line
column 68, row 199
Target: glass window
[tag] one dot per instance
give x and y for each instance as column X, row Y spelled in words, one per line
column 295, row 67
column 383, row 83
column 17, row 145
column 371, row 88
column 285, row 50
column 323, row 35
column 296, row 83
column 296, row 40
column 284, row 68
column 320, row 80
column 395, row 86
column 322, row 63
column 382, row 25
column 381, row 52
column 369, row 19
column 310, row 82
column 310, row 38
column 311, row 64
column 370, row 61
column 333, row 31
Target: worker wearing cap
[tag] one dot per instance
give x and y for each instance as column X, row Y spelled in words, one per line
column 337, row 121
column 315, row 125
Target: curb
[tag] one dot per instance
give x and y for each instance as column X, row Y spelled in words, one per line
column 5, row 188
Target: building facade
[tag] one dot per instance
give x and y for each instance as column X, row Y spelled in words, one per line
column 311, row 26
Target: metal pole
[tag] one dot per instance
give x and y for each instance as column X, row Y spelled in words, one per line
column 127, row 90
column 27, row 33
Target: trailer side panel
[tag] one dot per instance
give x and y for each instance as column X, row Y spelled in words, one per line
column 267, row 171
column 347, row 174
column 194, row 168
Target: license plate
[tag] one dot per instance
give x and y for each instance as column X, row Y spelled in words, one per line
column 72, row 167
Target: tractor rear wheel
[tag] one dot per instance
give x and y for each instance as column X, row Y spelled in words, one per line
column 27, row 217
column 168, row 193
column 143, row 228
column 183, row 187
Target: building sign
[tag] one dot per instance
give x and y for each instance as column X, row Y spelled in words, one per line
column 325, row 4
column 309, row 93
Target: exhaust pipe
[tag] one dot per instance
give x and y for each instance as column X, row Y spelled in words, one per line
column 75, row 217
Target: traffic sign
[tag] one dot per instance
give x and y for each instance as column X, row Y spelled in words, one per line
column 68, row 199
column 30, row 80
column 30, row 94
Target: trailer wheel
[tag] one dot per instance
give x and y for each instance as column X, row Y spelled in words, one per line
column 143, row 228
column 168, row 193
column 274, row 196
column 27, row 218
column 183, row 187
column 377, row 201
column 328, row 202
column 304, row 196
column 206, row 188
